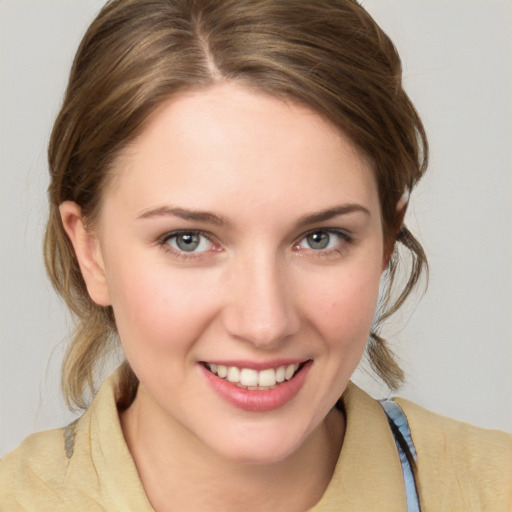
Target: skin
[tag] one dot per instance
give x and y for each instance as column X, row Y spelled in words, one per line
column 254, row 290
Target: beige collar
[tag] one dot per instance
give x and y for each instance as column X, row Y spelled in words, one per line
column 368, row 475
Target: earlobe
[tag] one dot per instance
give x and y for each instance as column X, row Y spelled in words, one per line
column 88, row 252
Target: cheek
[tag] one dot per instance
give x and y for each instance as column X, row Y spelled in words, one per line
column 156, row 306
column 342, row 305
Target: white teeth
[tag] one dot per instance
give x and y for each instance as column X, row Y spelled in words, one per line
column 290, row 370
column 280, row 374
column 233, row 374
column 253, row 379
column 248, row 377
column 267, row 377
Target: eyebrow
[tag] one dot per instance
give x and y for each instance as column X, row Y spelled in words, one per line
column 331, row 213
column 217, row 220
column 183, row 213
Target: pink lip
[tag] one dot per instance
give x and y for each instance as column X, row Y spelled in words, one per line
column 257, row 401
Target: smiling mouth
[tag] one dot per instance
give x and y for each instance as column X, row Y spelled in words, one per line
column 254, row 380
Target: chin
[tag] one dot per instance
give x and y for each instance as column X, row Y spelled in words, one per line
column 261, row 446
column 254, row 456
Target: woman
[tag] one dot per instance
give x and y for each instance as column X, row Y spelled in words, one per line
column 229, row 182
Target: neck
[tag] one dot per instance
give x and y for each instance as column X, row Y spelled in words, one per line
column 178, row 472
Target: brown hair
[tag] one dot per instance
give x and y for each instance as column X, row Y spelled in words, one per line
column 327, row 54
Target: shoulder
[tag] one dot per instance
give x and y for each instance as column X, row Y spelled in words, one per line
column 85, row 466
column 456, row 439
column 459, row 465
column 33, row 469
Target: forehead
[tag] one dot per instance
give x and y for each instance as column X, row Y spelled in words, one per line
column 229, row 146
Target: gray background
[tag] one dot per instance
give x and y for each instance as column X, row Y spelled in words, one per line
column 455, row 345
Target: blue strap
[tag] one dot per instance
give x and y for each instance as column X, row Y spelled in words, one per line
column 398, row 420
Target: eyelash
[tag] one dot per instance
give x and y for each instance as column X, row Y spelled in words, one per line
column 163, row 241
column 346, row 239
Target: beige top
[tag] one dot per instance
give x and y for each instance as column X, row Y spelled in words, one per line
column 460, row 467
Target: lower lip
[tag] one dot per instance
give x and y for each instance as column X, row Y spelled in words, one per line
column 258, row 401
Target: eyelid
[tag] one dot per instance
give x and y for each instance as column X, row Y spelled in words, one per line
column 163, row 242
column 344, row 233
column 346, row 236
column 177, row 232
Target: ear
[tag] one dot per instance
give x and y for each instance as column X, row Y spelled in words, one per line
column 88, row 252
column 389, row 244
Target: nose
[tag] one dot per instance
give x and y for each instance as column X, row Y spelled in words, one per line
column 261, row 308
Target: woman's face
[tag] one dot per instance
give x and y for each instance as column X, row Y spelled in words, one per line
column 241, row 245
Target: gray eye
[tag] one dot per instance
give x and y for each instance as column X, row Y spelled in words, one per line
column 318, row 240
column 190, row 242
column 187, row 242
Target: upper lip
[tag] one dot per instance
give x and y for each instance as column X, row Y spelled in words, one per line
column 256, row 365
